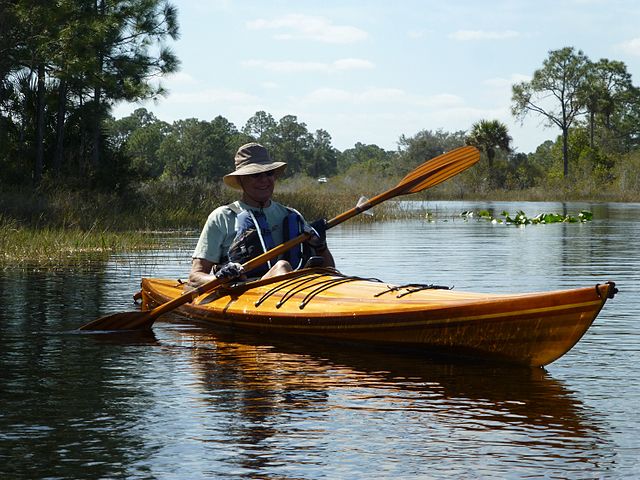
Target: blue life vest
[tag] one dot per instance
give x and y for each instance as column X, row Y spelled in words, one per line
column 293, row 226
column 252, row 240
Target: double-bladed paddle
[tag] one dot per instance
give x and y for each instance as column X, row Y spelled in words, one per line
column 427, row 175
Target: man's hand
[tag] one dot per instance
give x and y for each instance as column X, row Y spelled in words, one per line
column 230, row 271
column 318, row 231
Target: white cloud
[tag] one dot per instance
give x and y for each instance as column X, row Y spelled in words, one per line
column 210, row 96
column 295, row 26
column 180, row 78
column 285, row 66
column 632, row 47
column 378, row 96
column 442, row 101
column 291, row 67
column 381, row 95
column 507, row 82
column 352, row 64
column 328, row 95
column 365, row 97
column 466, row 35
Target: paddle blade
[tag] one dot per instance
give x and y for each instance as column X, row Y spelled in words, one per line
column 430, row 173
column 439, row 169
column 443, row 173
column 122, row 321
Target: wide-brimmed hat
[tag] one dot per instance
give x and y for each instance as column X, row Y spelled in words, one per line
column 251, row 158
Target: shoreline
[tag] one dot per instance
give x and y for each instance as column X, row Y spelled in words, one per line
column 60, row 247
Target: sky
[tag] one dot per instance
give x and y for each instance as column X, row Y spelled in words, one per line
column 371, row 71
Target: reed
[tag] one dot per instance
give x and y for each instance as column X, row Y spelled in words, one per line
column 58, row 226
column 326, row 200
column 60, row 248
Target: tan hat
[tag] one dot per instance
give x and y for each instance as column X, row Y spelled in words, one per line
column 251, row 158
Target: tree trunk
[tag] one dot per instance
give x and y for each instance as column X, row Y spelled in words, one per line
column 39, row 162
column 95, row 154
column 60, row 124
column 565, row 151
column 491, row 153
column 97, row 97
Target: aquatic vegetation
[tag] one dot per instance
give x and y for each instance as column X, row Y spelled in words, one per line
column 54, row 248
column 521, row 218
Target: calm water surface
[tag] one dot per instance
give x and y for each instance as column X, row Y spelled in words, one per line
column 182, row 402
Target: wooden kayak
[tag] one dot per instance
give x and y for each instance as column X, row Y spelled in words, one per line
column 532, row 329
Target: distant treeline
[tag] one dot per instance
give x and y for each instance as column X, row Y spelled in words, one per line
column 63, row 65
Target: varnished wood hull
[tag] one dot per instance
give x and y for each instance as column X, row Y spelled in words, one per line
column 531, row 329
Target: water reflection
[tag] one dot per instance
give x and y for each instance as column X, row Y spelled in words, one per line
column 67, row 406
column 278, row 398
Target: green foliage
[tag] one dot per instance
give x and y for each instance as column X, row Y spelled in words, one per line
column 562, row 77
column 425, row 145
column 609, row 98
column 262, row 128
column 626, row 176
column 520, row 218
column 365, row 158
column 490, row 136
column 198, row 149
column 63, row 65
column 522, row 172
column 602, row 90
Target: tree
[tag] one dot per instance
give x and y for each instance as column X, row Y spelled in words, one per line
column 626, row 123
column 371, row 158
column 555, row 93
column 28, row 31
column 184, row 151
column 292, row 143
column 121, row 130
column 489, row 136
column 521, row 172
column 605, row 93
column 323, row 158
column 79, row 57
column 138, row 138
column 425, row 145
column 195, row 148
column 224, row 139
column 261, row 127
column 123, row 36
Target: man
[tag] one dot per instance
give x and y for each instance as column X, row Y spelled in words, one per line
column 235, row 233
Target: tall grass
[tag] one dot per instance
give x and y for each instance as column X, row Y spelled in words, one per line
column 54, row 226
column 54, row 248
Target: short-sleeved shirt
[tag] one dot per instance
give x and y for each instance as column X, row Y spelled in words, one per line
column 220, row 230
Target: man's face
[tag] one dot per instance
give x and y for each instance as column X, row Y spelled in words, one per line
column 258, row 187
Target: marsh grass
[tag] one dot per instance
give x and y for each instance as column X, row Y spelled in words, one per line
column 327, row 200
column 63, row 248
column 59, row 226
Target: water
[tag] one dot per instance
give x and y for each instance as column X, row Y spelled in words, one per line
column 182, row 402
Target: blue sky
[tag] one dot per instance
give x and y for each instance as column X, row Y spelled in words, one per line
column 370, row 71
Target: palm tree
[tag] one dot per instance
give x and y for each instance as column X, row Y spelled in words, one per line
column 490, row 136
